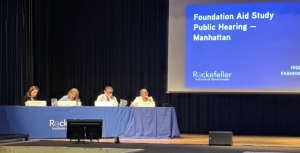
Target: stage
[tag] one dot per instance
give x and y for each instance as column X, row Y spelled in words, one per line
column 202, row 139
column 187, row 143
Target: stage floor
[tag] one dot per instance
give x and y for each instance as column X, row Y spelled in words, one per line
column 191, row 143
column 200, row 139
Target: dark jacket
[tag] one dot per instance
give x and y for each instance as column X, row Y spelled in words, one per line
column 25, row 99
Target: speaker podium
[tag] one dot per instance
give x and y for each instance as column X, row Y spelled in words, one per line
column 222, row 138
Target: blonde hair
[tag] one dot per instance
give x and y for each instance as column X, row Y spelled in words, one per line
column 28, row 94
column 74, row 90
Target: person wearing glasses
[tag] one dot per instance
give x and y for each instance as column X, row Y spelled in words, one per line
column 142, row 98
column 108, row 96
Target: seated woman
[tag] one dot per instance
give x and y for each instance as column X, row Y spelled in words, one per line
column 108, row 96
column 73, row 95
column 142, row 98
column 30, row 95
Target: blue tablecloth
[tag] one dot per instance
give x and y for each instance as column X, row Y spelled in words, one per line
column 152, row 123
column 50, row 122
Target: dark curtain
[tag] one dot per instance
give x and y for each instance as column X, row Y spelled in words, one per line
column 99, row 43
column 89, row 44
column 16, row 55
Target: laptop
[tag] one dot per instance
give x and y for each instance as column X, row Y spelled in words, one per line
column 145, row 104
column 66, row 103
column 104, row 104
column 36, row 103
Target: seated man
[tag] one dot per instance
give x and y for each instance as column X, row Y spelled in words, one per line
column 142, row 98
column 108, row 96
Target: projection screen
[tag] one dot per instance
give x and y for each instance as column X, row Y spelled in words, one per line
column 233, row 46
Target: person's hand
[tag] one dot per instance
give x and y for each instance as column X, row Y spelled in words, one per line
column 109, row 97
column 149, row 99
column 145, row 98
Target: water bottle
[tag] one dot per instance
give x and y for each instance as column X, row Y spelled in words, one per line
column 53, row 101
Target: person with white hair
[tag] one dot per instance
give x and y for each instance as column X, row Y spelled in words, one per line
column 108, row 96
column 142, row 98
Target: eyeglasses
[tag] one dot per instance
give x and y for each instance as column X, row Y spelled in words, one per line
column 109, row 92
column 146, row 92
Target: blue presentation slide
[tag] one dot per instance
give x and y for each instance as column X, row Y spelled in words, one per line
column 243, row 46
